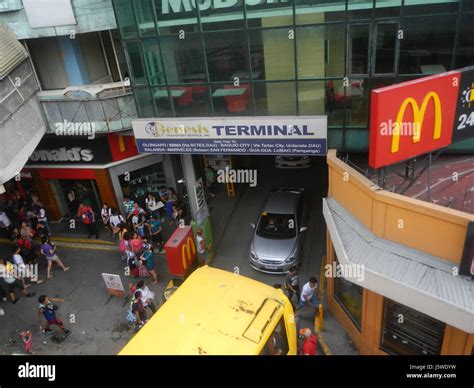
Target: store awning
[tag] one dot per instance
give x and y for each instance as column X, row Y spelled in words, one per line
column 405, row 275
column 22, row 122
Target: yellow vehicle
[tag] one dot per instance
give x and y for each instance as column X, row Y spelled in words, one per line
column 219, row 312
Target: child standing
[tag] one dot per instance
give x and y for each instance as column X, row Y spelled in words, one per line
column 27, row 339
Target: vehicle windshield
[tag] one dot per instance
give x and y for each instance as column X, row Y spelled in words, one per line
column 277, row 226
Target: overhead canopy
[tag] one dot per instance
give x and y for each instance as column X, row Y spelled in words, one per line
column 21, row 117
column 12, row 52
column 407, row 276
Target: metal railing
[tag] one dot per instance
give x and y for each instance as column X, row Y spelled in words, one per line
column 106, row 107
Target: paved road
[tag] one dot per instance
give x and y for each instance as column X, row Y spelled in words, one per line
column 233, row 250
column 98, row 324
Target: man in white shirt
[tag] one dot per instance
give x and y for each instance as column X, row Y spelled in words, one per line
column 307, row 294
column 147, row 296
column 7, row 275
column 5, row 223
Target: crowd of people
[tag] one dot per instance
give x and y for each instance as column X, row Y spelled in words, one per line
column 23, row 220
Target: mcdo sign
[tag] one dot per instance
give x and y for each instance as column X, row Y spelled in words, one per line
column 177, row 6
column 420, row 116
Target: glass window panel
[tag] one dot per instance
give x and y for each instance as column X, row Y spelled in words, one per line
column 356, row 140
column 426, row 42
column 335, row 102
column 320, row 51
column 136, row 67
column 161, row 99
column 223, row 17
column 307, row 12
column 465, row 50
column 272, row 54
column 193, row 102
column 357, row 97
column 226, row 55
column 232, row 100
column 418, row 334
column 73, row 111
column 387, row 8
column 144, row 102
column 385, row 47
column 275, row 99
column 358, row 48
column 335, row 138
column 267, row 14
column 468, row 5
column 349, row 296
column 145, row 18
column 125, row 19
column 359, row 9
column 154, row 67
column 311, row 98
column 183, row 59
column 426, row 7
column 175, row 17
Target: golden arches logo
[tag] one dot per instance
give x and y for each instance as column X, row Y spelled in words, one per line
column 188, row 250
column 418, row 118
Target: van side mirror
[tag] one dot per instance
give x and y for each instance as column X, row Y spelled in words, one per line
column 303, row 228
column 252, row 225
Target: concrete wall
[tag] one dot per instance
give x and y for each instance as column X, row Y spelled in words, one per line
column 429, row 228
column 91, row 15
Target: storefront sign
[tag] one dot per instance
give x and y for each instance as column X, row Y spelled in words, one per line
column 180, row 251
column 56, row 150
column 301, row 135
column 178, row 6
column 114, row 284
column 420, row 116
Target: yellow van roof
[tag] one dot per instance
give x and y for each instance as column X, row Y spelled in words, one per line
column 212, row 312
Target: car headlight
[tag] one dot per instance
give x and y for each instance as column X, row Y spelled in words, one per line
column 253, row 255
column 290, row 259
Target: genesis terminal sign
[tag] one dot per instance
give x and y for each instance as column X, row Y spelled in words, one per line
column 302, row 135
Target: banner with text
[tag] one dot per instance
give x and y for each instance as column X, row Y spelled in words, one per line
column 278, row 135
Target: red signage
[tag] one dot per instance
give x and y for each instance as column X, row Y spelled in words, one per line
column 412, row 118
column 180, row 251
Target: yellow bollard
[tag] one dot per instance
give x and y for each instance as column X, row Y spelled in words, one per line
column 230, row 189
column 319, row 320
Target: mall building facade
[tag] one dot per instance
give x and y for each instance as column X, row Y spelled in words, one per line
column 297, row 57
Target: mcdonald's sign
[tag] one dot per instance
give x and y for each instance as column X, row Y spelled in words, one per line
column 188, row 252
column 412, row 118
column 180, row 250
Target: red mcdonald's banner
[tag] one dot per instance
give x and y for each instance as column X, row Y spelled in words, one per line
column 412, row 118
column 180, row 251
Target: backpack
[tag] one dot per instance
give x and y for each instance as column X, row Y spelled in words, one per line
column 90, row 214
column 123, row 245
column 131, row 317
